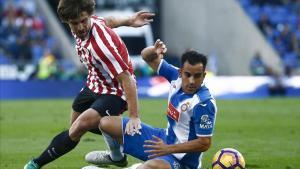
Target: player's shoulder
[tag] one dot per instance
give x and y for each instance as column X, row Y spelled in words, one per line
column 205, row 107
column 203, row 99
column 204, row 94
column 97, row 20
column 166, row 65
column 168, row 71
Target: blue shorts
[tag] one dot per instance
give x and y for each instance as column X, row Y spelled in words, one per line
column 133, row 145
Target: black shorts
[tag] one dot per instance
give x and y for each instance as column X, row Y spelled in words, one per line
column 104, row 104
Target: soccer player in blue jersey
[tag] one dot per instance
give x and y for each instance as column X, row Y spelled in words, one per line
column 191, row 116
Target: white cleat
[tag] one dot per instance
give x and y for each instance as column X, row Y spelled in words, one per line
column 102, row 158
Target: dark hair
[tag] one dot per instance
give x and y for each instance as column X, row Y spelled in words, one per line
column 193, row 57
column 71, row 9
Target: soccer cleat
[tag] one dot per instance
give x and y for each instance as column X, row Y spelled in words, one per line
column 102, row 158
column 31, row 165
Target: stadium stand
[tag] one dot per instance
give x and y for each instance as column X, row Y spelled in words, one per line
column 279, row 21
column 25, row 41
column 24, row 37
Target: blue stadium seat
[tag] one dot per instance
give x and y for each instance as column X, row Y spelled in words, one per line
column 280, row 15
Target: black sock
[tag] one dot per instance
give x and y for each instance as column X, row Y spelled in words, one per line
column 60, row 145
column 95, row 131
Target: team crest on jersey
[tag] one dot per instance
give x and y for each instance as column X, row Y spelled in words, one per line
column 184, row 106
column 205, row 122
column 173, row 112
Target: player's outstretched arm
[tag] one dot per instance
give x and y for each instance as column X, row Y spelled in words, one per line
column 138, row 19
column 128, row 83
column 153, row 54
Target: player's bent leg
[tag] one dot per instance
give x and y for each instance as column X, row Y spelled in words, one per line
column 114, row 138
column 74, row 115
column 89, row 119
column 83, row 101
column 112, row 125
column 155, row 164
column 132, row 145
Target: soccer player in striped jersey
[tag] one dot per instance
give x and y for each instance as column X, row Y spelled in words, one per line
column 191, row 117
column 110, row 88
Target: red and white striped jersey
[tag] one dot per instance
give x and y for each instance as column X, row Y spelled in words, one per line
column 105, row 56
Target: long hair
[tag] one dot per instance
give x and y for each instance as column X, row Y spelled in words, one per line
column 71, row 9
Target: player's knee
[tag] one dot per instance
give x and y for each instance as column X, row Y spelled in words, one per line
column 78, row 128
column 105, row 123
column 156, row 164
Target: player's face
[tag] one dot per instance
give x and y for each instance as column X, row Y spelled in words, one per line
column 81, row 26
column 192, row 77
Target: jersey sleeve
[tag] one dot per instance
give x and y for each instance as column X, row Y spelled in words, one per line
column 167, row 70
column 109, row 51
column 204, row 115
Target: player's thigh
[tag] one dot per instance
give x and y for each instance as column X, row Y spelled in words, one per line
column 134, row 145
column 156, row 164
column 82, row 102
column 87, row 120
column 109, row 105
column 112, row 125
column 73, row 116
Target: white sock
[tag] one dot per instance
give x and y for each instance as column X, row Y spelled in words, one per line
column 114, row 147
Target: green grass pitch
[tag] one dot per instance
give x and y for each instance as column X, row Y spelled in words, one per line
column 265, row 131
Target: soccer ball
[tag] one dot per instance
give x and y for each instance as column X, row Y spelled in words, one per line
column 228, row 158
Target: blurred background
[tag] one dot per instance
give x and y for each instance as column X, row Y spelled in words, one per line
column 252, row 46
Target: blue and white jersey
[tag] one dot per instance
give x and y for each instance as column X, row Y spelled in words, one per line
column 189, row 115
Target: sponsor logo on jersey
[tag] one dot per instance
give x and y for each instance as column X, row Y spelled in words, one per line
column 176, row 165
column 173, row 112
column 205, row 122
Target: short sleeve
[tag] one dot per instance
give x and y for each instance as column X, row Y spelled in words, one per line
column 167, row 70
column 204, row 115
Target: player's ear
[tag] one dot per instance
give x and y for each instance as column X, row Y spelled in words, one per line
column 180, row 72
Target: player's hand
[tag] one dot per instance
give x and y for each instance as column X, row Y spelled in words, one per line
column 141, row 18
column 156, row 147
column 133, row 126
column 160, row 48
